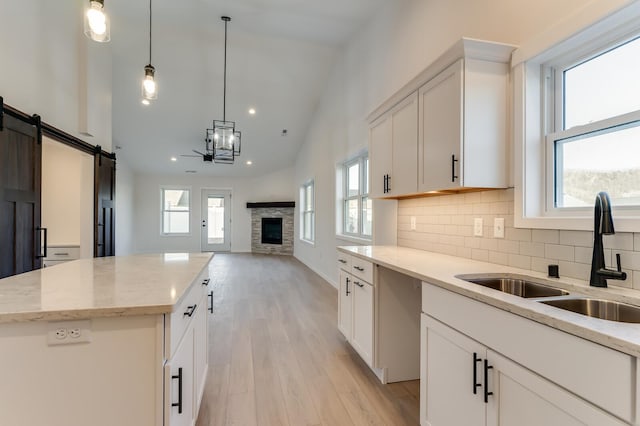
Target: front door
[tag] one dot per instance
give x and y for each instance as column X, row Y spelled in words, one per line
column 216, row 220
column 21, row 238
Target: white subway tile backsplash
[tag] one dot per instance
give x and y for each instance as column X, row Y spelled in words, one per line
column 556, row 251
column 445, row 225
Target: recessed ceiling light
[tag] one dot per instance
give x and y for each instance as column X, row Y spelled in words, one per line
column 174, row 159
column 145, row 102
column 249, row 162
column 252, row 111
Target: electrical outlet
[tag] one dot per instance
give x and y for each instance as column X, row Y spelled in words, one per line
column 477, row 227
column 498, row 227
column 69, row 332
column 413, row 223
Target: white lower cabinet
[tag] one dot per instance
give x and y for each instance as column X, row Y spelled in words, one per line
column 362, row 338
column 180, row 377
column 345, row 304
column 466, row 384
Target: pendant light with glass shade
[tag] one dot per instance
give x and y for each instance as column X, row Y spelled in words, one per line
column 149, row 86
column 96, row 22
column 223, row 140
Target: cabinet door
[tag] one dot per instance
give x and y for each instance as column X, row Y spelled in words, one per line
column 362, row 340
column 441, row 130
column 452, row 371
column 201, row 344
column 522, row 398
column 345, row 304
column 179, row 382
column 379, row 156
column 403, row 178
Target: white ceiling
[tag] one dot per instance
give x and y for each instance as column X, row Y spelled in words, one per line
column 280, row 53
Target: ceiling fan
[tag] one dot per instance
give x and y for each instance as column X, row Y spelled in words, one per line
column 205, row 157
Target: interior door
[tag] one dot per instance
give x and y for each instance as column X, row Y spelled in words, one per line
column 216, row 220
column 20, row 194
column 104, row 208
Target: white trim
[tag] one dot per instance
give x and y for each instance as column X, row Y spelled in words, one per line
column 351, row 239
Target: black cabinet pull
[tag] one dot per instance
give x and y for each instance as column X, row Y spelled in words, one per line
column 359, row 268
column 211, row 297
column 358, row 284
column 179, row 403
column 476, row 385
column 388, row 183
column 44, row 241
column 190, row 310
column 347, row 291
column 487, row 367
column 384, row 184
column 206, row 282
column 342, row 261
column 453, row 168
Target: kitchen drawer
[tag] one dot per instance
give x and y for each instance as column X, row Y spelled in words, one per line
column 362, row 269
column 179, row 319
column 62, row 253
column 344, row 261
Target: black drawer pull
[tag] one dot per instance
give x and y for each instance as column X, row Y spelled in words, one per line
column 342, row 261
column 487, row 367
column 358, row 284
column 211, row 298
column 179, row 403
column 476, row 360
column 206, row 282
column 190, row 310
column 359, row 268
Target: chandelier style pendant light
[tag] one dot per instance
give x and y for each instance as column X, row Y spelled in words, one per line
column 96, row 22
column 149, row 86
column 223, row 140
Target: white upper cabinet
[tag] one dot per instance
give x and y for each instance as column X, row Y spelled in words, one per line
column 445, row 130
column 393, row 149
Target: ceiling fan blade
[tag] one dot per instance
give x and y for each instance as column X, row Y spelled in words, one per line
column 190, row 155
column 198, row 152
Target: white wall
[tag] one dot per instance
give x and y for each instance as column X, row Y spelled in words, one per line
column 124, row 209
column 50, row 68
column 67, row 196
column 277, row 186
column 402, row 40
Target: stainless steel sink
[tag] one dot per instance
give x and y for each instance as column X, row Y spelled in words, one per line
column 517, row 286
column 603, row 309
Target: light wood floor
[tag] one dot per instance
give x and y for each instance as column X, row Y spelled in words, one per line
column 277, row 357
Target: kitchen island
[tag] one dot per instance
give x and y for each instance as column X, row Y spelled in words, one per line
column 105, row 341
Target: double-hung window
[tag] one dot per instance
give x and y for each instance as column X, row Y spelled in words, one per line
column 356, row 204
column 175, row 211
column 595, row 140
column 307, row 212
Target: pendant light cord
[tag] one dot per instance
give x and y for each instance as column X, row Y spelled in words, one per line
column 224, row 95
column 149, row 32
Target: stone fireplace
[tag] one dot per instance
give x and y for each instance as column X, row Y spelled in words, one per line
column 272, row 227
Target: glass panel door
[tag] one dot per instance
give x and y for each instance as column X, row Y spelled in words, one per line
column 216, row 220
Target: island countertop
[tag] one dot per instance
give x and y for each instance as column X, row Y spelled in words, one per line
column 145, row 284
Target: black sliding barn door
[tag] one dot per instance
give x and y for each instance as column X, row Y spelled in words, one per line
column 104, row 208
column 20, row 183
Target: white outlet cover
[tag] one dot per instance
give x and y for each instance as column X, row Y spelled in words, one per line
column 477, row 227
column 498, row 227
column 413, row 223
column 68, row 332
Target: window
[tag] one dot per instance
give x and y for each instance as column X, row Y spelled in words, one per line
column 577, row 120
column 307, row 212
column 596, row 142
column 175, row 211
column 356, row 204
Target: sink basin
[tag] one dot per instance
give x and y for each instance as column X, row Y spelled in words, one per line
column 517, row 286
column 603, row 309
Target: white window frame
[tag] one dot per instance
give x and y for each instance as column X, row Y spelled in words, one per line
column 342, row 198
column 162, row 210
column 579, row 36
column 311, row 212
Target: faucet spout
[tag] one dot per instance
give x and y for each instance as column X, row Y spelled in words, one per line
column 603, row 225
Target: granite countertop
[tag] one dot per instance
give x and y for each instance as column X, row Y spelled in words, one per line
column 441, row 270
column 108, row 286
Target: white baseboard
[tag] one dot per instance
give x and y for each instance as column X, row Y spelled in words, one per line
column 322, row 274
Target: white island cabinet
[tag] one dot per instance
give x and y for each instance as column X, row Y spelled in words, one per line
column 108, row 341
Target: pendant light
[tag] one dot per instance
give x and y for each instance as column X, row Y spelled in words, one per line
column 223, row 140
column 96, row 22
column 149, row 86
